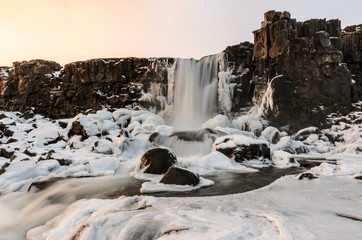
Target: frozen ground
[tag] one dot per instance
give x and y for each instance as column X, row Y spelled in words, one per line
column 38, row 149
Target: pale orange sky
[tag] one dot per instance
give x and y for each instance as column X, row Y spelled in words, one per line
column 73, row 30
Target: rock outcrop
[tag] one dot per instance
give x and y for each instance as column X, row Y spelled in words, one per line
column 45, row 87
column 352, row 55
column 294, row 72
column 238, row 62
column 300, row 65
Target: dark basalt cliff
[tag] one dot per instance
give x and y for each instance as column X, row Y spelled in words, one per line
column 44, row 87
column 352, row 55
column 302, row 63
column 305, row 67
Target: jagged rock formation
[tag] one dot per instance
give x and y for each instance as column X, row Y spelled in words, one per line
column 46, row 88
column 301, row 63
column 352, row 55
column 240, row 66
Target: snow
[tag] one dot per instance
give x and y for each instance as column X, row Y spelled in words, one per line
column 82, row 204
column 224, row 91
column 283, row 159
column 232, row 141
column 217, row 121
column 248, row 123
column 153, row 187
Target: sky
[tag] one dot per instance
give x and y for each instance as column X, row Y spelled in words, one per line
column 73, row 30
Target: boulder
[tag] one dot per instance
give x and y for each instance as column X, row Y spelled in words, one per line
column 286, row 144
column 39, row 186
column 180, row 176
column 304, row 133
column 3, row 168
column 157, row 160
column 242, row 148
column 271, row 134
column 283, row 159
column 307, row 175
column 6, row 152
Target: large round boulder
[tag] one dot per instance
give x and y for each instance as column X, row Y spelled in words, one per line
column 180, row 176
column 157, row 160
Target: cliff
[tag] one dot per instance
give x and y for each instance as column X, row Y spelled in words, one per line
column 300, row 65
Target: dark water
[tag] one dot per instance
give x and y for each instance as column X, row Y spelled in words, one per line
column 231, row 183
column 225, row 183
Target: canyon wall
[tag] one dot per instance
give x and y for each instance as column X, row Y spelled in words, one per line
column 300, row 64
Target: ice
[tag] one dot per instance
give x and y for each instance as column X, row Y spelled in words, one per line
column 248, row 123
column 283, row 159
column 73, row 208
column 153, row 187
column 217, row 121
column 224, row 92
column 213, row 162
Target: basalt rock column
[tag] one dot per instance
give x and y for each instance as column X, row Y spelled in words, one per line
column 301, row 62
column 352, row 55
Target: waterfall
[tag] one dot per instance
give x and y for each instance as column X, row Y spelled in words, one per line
column 195, row 92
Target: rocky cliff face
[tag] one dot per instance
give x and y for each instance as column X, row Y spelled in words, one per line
column 238, row 62
column 46, row 88
column 294, row 72
column 352, row 55
column 301, row 64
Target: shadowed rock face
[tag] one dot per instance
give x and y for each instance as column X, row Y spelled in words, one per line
column 352, row 55
column 304, row 59
column 308, row 56
column 64, row 92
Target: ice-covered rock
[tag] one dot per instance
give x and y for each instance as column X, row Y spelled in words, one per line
column 271, row 134
column 241, row 148
column 217, row 121
column 283, row 159
column 288, row 145
column 249, row 123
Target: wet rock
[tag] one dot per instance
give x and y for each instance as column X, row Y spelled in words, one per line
column 3, row 168
column 8, row 132
column 12, row 140
column 39, row 186
column 6, row 152
column 157, row 160
column 76, row 129
column 63, row 124
column 242, row 148
column 29, row 153
column 308, row 176
column 180, row 176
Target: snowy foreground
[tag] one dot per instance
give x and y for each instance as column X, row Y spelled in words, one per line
column 79, row 206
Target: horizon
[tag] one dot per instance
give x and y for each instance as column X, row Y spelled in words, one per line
column 79, row 30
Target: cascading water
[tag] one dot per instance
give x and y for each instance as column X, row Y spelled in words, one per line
column 195, row 92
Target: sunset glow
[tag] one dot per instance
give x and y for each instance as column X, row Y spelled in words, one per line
column 72, row 30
